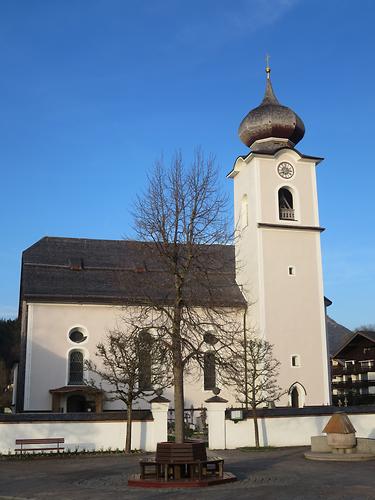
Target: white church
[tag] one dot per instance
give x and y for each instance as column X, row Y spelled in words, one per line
column 74, row 290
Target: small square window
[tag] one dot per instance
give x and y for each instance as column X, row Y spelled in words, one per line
column 296, row 360
column 291, row 271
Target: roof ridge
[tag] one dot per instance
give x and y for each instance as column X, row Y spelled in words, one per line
column 130, row 241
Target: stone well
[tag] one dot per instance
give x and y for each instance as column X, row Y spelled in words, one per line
column 340, row 434
column 340, row 443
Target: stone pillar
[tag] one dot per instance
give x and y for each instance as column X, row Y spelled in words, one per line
column 99, row 402
column 56, row 403
column 159, row 409
column 216, row 407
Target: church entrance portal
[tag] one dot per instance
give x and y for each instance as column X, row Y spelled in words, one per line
column 76, row 403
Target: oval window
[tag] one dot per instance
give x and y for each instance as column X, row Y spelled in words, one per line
column 77, row 336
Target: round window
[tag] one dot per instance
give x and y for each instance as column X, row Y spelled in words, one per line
column 77, row 336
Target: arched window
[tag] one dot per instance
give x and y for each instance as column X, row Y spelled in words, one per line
column 76, row 368
column 244, row 212
column 144, row 378
column 286, row 208
column 209, row 371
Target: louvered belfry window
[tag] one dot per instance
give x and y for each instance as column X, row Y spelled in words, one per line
column 209, row 371
column 286, row 209
column 76, row 368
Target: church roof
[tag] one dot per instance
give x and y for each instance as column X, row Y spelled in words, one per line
column 273, row 121
column 122, row 272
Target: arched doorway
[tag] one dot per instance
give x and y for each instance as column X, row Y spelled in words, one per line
column 76, row 403
column 297, row 395
column 295, row 398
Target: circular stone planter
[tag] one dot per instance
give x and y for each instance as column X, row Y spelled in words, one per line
column 339, row 457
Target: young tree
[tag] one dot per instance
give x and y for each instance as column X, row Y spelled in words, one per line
column 253, row 374
column 183, row 216
column 9, row 354
column 9, row 340
column 131, row 366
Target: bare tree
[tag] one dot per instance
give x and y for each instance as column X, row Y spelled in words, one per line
column 365, row 328
column 184, row 217
column 253, row 373
column 131, row 367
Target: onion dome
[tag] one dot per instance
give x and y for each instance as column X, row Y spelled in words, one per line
column 271, row 126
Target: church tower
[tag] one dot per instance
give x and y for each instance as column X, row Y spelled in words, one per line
column 278, row 256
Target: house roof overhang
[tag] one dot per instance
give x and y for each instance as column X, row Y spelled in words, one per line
column 68, row 389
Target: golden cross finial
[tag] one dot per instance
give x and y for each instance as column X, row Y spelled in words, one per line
column 268, row 69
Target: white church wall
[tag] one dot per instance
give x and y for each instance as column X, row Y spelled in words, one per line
column 302, row 184
column 286, row 308
column 247, row 262
column 293, row 323
column 48, row 347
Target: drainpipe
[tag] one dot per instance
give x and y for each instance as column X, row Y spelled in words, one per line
column 245, row 356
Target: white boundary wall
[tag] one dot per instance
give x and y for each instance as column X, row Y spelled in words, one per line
column 277, row 431
column 89, row 435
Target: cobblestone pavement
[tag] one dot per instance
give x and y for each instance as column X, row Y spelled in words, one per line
column 278, row 474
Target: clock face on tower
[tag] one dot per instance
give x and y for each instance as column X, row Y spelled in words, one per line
column 285, row 170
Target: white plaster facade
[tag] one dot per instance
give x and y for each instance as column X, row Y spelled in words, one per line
column 278, row 265
column 48, row 348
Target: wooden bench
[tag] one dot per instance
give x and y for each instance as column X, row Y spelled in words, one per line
column 55, row 444
column 213, row 466
column 196, row 469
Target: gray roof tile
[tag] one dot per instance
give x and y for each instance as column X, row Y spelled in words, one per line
column 124, row 272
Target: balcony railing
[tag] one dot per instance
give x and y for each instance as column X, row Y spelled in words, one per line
column 357, row 368
column 352, row 400
column 352, row 383
column 286, row 213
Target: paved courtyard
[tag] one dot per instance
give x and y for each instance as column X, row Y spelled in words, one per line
column 278, row 474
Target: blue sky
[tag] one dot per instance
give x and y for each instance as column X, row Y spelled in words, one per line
column 93, row 91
